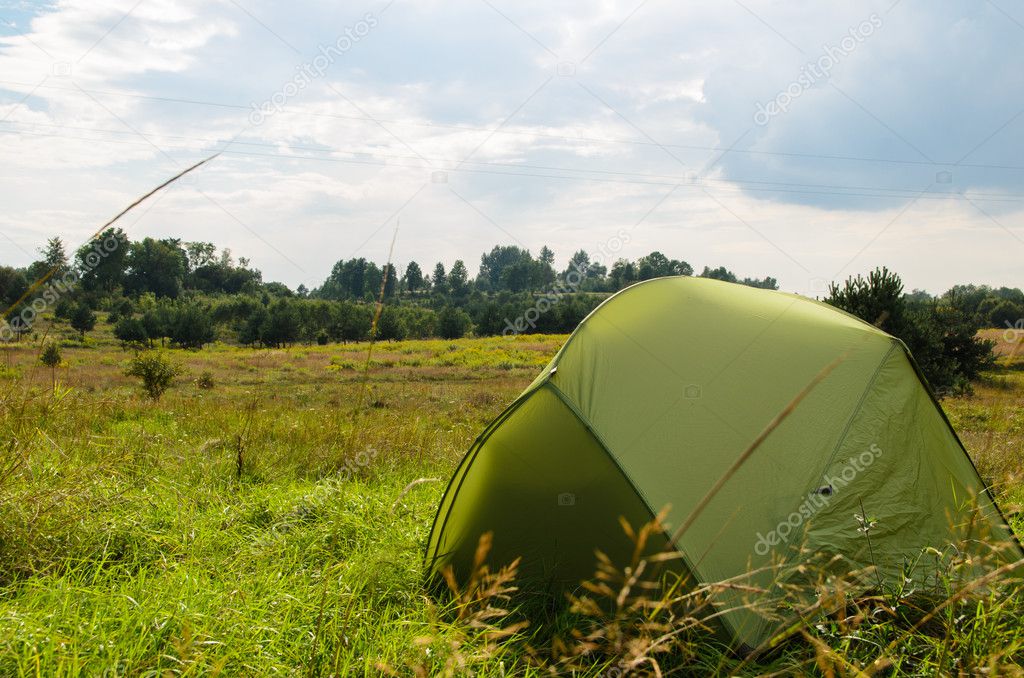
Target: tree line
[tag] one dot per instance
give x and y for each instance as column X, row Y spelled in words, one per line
column 188, row 294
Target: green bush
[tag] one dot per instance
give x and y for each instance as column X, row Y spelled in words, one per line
column 941, row 334
column 131, row 331
column 452, row 323
column 155, row 370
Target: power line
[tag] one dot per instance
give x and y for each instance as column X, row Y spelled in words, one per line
column 520, row 132
column 386, row 160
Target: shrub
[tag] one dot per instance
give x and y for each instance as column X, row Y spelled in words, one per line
column 155, row 370
column 51, row 358
column 452, row 323
column 941, row 334
column 205, row 380
column 83, row 319
column 191, row 326
column 131, row 331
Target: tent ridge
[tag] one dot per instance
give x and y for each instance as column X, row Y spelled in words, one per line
column 582, row 323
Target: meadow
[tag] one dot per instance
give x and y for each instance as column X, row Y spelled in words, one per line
column 268, row 516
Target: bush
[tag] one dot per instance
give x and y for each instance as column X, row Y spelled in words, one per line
column 50, row 356
column 1005, row 314
column 64, row 309
column 191, row 326
column 390, row 325
column 155, row 370
column 941, row 334
column 131, row 331
column 452, row 323
column 83, row 319
column 205, row 380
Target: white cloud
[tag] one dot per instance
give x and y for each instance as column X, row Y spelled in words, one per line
column 649, row 100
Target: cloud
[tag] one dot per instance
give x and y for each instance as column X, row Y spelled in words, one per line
column 552, row 123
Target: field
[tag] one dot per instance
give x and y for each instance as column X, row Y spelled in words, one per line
column 270, row 517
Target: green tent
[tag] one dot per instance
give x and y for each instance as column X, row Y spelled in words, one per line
column 659, row 391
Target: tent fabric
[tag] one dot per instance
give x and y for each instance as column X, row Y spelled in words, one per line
column 654, row 397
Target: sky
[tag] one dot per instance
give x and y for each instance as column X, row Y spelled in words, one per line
column 808, row 141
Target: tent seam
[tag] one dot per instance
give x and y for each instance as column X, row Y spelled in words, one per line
column 855, row 412
column 643, row 498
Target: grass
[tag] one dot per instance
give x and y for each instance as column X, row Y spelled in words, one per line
column 248, row 528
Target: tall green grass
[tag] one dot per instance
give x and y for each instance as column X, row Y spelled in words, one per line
column 130, row 543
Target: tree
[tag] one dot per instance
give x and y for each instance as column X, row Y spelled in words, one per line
column 941, row 335
column 878, row 299
column 83, row 319
column 281, row 326
column 720, row 273
column 251, row 330
column 351, row 322
column 131, row 332
column 546, row 266
column 51, row 358
column 458, row 279
column 439, row 280
column 1005, row 314
column 579, row 265
column 351, row 279
column 55, row 258
column 155, row 370
column 103, row 261
column 390, row 325
column 12, row 285
column 201, row 254
column 492, row 276
column 374, row 276
column 623, row 274
column 452, row 323
column 390, row 281
column 158, row 321
column 766, row 283
column 156, row 266
column 413, row 277
column 191, row 326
